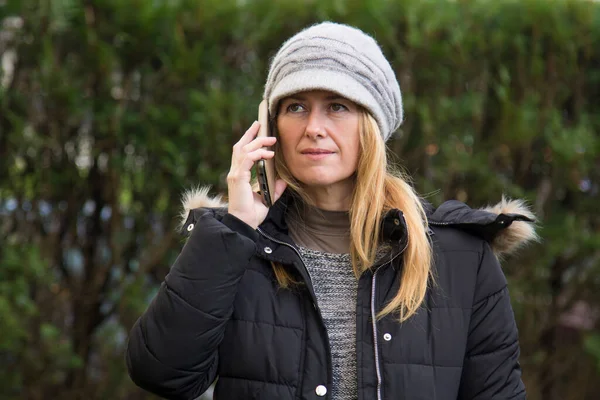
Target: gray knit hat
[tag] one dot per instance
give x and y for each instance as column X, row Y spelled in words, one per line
column 340, row 59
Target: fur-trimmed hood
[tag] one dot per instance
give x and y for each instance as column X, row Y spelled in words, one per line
column 507, row 225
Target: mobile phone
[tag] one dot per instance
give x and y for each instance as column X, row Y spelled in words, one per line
column 265, row 169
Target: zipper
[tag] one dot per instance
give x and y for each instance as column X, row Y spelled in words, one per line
column 375, row 345
column 374, row 322
column 440, row 223
column 291, row 247
column 329, row 373
column 429, row 223
column 373, row 312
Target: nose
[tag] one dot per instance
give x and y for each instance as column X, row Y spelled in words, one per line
column 315, row 127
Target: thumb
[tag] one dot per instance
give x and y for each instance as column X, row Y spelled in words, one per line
column 280, row 186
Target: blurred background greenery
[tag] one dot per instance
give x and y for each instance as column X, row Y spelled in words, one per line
column 109, row 109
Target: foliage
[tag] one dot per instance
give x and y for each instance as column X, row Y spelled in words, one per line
column 110, row 109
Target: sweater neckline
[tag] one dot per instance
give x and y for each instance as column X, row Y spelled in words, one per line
column 319, row 221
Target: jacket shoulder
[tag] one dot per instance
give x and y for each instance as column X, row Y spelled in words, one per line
column 453, row 239
column 197, row 202
column 466, row 268
column 505, row 226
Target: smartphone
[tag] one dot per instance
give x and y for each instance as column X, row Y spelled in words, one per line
column 265, row 169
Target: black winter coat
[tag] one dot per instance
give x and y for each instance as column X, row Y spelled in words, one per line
column 219, row 313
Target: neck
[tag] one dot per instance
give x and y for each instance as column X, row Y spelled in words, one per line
column 336, row 197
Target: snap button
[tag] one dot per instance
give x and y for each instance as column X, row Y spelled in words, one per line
column 321, row 390
column 396, row 221
column 190, row 227
column 268, row 250
column 387, row 337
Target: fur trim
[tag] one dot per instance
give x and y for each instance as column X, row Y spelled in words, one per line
column 519, row 233
column 196, row 198
column 508, row 240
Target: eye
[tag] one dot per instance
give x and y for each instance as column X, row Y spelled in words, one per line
column 337, row 107
column 295, row 108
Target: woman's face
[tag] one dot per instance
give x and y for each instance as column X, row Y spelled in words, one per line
column 319, row 138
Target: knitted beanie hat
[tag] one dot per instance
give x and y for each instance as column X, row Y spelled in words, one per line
column 340, row 59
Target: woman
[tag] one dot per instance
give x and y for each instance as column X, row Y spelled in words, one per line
column 349, row 286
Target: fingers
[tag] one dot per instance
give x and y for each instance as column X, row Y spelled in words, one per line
column 248, row 135
column 250, row 149
column 249, row 159
column 259, row 142
column 242, row 164
column 243, row 203
column 249, row 143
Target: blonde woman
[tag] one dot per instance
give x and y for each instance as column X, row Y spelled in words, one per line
column 349, row 286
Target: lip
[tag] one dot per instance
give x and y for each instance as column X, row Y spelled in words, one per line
column 316, row 154
column 311, row 151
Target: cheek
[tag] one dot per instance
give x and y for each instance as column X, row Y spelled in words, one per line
column 287, row 155
column 287, row 137
column 286, row 148
column 353, row 150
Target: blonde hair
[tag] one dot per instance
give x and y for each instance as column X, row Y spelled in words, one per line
column 378, row 189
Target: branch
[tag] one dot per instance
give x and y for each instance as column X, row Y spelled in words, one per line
column 544, row 191
column 64, row 223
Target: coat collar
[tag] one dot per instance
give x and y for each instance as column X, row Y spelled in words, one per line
column 393, row 227
column 506, row 226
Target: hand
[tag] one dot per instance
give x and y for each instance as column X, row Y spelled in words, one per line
column 245, row 204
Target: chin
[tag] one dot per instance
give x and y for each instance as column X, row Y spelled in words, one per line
column 318, row 182
column 320, row 179
column 314, row 179
column 321, row 176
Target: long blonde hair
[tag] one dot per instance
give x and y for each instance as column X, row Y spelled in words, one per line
column 378, row 189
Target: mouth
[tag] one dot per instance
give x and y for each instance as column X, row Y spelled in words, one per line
column 316, row 152
column 316, row 155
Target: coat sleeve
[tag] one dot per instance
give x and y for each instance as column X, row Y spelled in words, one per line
column 172, row 348
column 491, row 367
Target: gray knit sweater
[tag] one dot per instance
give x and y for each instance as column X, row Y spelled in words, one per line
column 335, row 286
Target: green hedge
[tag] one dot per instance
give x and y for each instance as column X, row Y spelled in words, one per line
column 115, row 107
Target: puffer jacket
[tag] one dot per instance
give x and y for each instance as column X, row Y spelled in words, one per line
column 220, row 314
